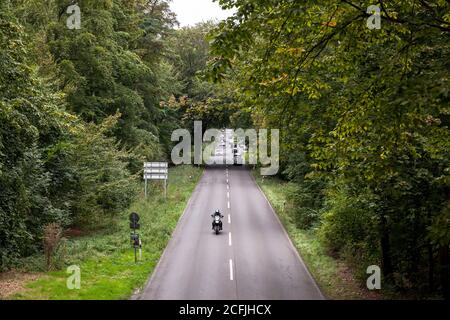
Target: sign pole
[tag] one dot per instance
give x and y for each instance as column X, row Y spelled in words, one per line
column 135, row 240
column 135, row 252
column 165, row 189
column 140, row 250
column 145, row 187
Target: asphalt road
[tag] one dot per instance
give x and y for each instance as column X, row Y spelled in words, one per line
column 251, row 259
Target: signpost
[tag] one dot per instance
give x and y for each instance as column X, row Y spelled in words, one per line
column 156, row 171
column 135, row 240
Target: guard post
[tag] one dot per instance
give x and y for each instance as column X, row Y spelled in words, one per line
column 135, row 239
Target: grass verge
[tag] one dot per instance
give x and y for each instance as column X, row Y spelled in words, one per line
column 333, row 276
column 106, row 259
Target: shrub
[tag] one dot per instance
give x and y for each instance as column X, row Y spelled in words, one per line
column 307, row 199
column 349, row 226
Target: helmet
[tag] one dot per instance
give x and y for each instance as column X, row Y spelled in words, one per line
column 217, row 211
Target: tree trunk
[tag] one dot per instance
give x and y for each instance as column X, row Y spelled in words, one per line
column 430, row 268
column 444, row 261
column 385, row 250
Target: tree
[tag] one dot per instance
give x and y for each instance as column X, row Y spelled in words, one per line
column 30, row 121
column 365, row 109
column 67, row 157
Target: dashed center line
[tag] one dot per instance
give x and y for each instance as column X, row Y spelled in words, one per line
column 231, row 269
column 229, row 222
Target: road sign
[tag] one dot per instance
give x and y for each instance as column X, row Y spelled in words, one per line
column 152, row 176
column 156, row 165
column 134, row 217
column 156, row 171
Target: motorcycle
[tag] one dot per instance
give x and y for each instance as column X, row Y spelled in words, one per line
column 217, row 223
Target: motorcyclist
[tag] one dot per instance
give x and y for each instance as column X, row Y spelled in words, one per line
column 217, row 213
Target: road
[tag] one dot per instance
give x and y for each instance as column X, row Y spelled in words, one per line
column 252, row 259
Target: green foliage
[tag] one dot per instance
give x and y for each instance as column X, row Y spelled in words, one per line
column 196, row 99
column 349, row 226
column 98, row 184
column 80, row 110
column 307, row 200
column 365, row 110
column 29, row 121
column 106, row 257
column 213, row 113
column 189, row 55
column 103, row 70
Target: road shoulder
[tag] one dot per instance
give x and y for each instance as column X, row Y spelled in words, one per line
column 335, row 279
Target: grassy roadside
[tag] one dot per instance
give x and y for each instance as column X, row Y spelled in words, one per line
column 333, row 276
column 106, row 259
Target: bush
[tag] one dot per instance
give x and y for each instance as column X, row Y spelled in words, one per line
column 349, row 226
column 307, row 199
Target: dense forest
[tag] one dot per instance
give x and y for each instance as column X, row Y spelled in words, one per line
column 81, row 109
column 363, row 115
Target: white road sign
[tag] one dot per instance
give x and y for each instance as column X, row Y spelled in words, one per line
column 156, row 171
column 155, row 176
column 156, row 165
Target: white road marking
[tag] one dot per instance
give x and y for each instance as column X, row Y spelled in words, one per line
column 228, row 187
column 228, row 194
column 228, row 205
column 231, row 269
column 229, row 239
column 227, row 181
column 229, row 218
